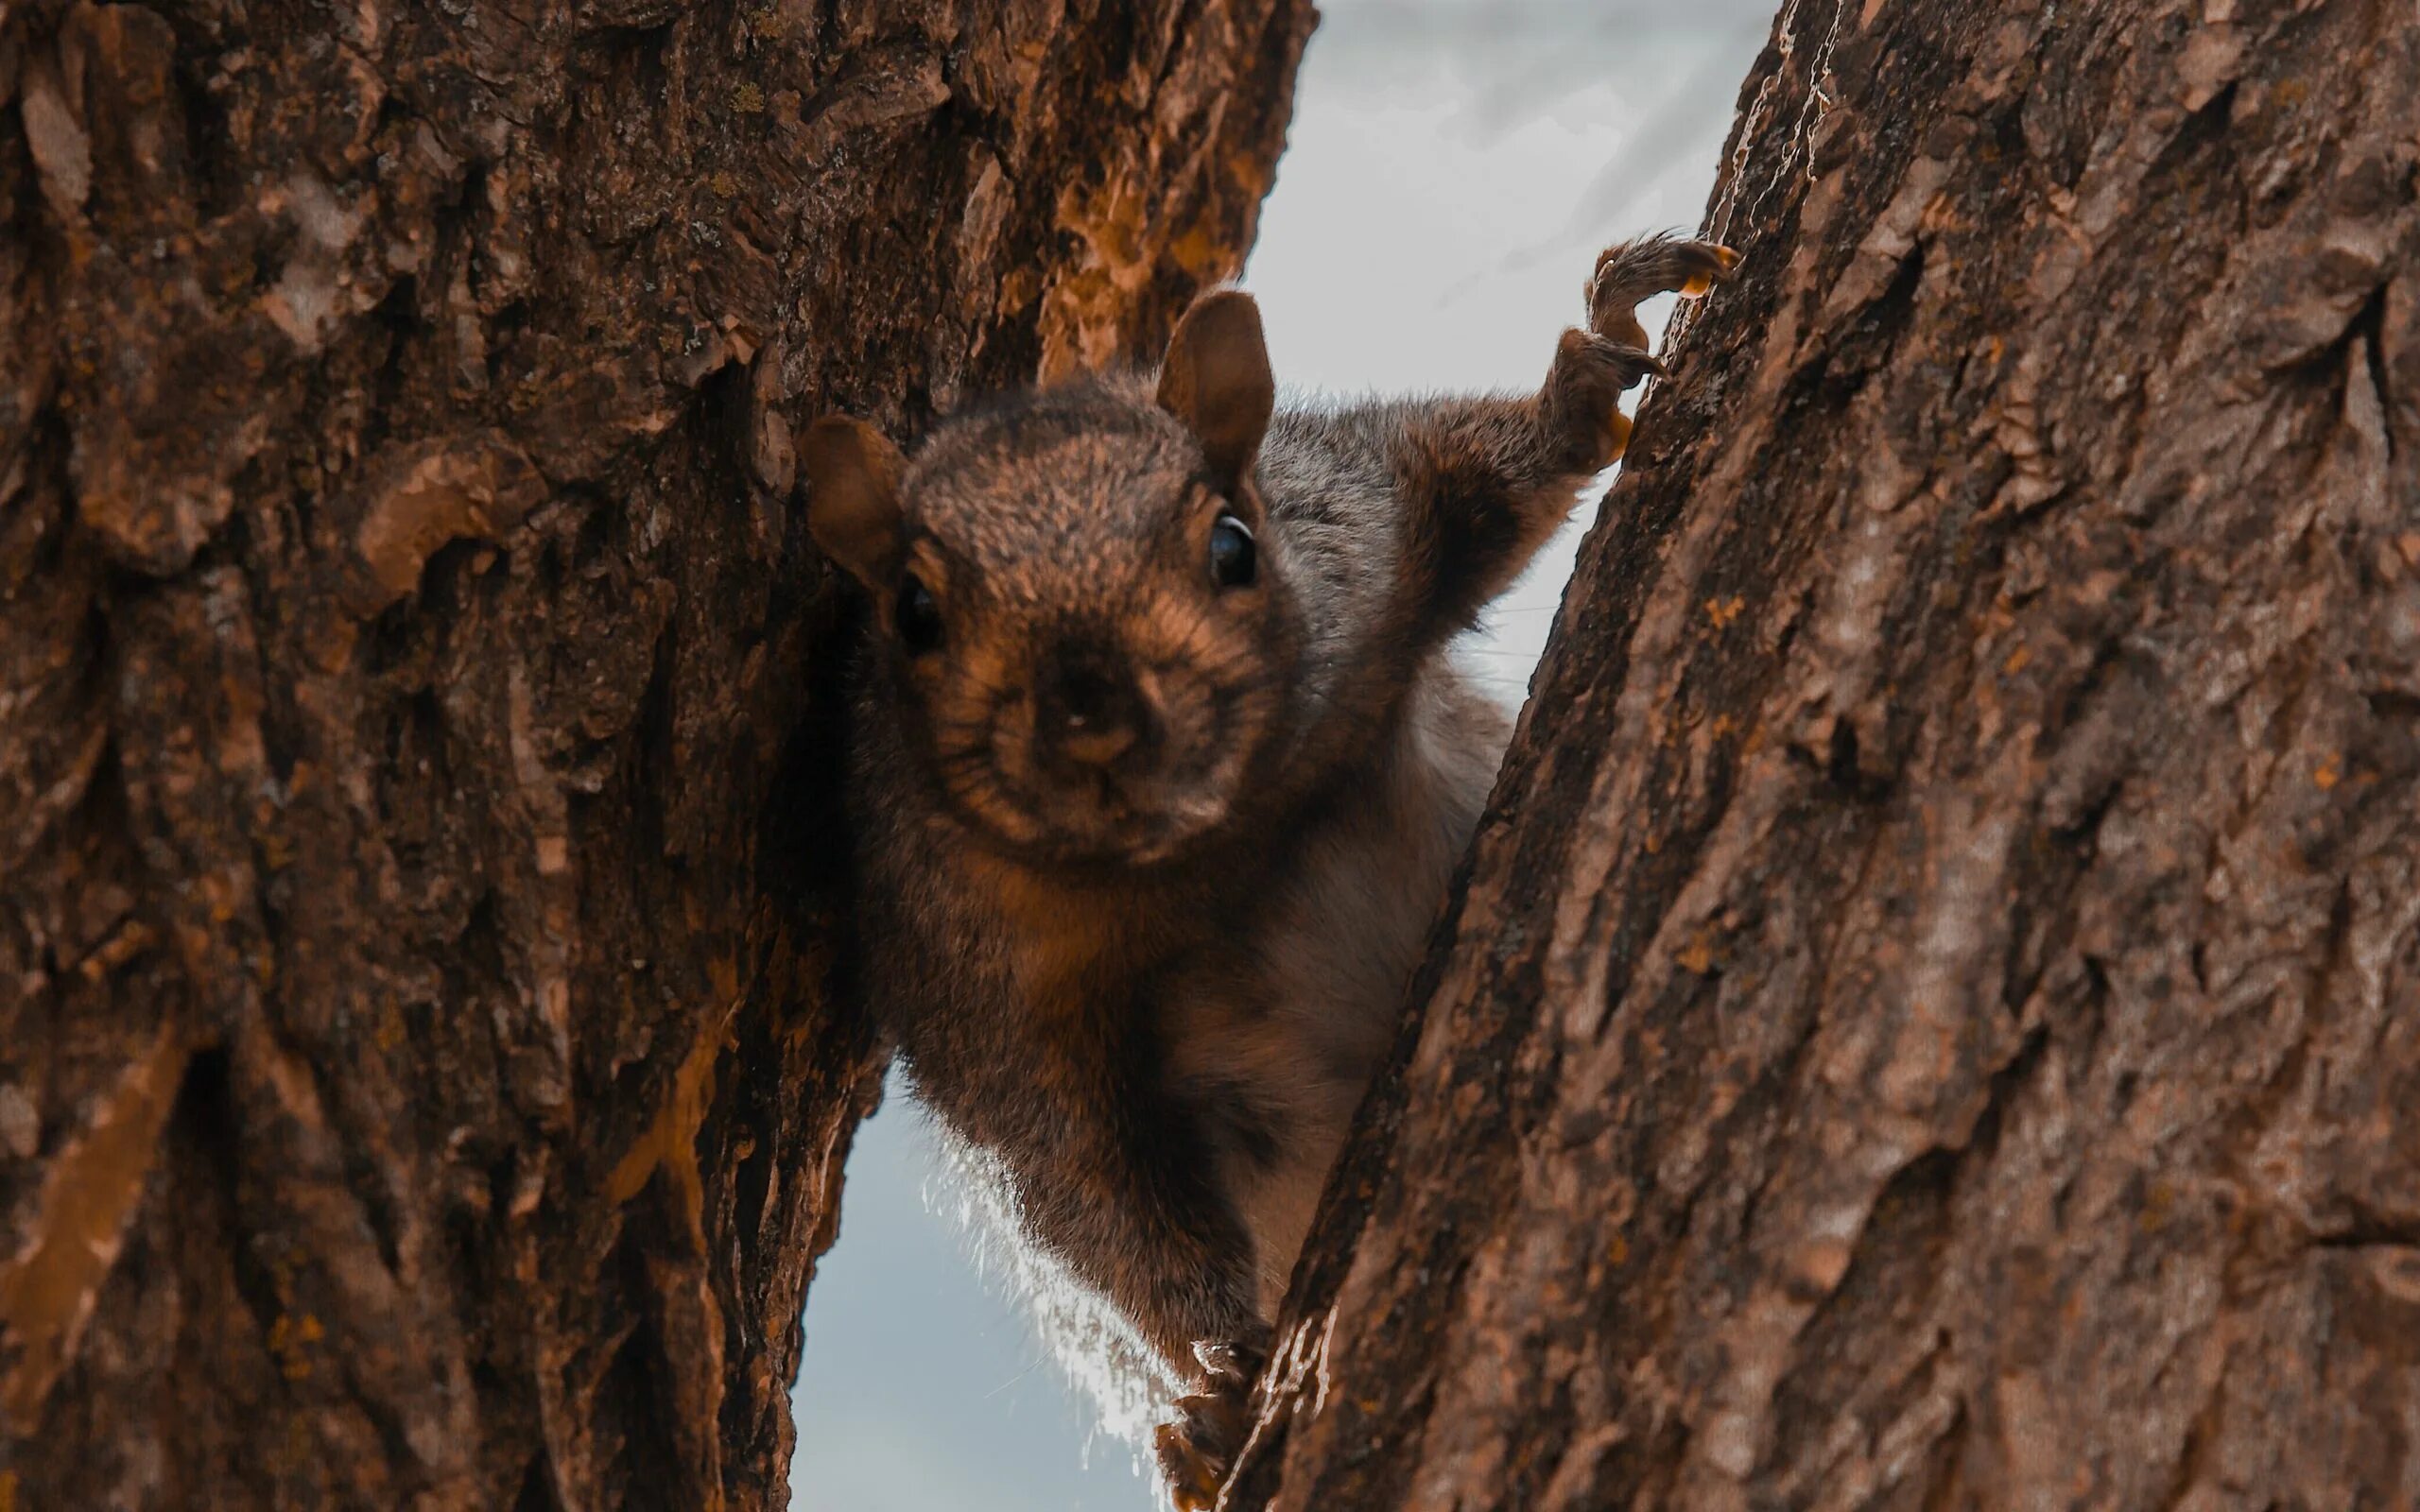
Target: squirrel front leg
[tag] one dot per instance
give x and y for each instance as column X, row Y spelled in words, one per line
column 1147, row 1229
column 1132, row 1208
column 1486, row 481
column 1134, row 1217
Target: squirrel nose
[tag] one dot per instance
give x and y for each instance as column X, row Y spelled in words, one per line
column 1090, row 710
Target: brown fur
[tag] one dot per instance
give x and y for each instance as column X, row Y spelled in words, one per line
column 1148, row 860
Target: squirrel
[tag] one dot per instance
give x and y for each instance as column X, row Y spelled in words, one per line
column 1161, row 772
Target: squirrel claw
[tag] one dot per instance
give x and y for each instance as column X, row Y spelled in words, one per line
column 1198, row 1448
column 1583, row 396
column 1226, row 1360
column 1192, row 1477
column 1704, row 279
column 1594, row 367
column 1632, row 271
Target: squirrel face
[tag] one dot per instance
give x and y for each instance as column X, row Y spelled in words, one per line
column 1086, row 636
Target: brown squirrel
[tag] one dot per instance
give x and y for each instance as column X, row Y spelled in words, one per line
column 1161, row 774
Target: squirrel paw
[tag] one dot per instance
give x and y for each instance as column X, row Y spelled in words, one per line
column 1583, row 408
column 1594, row 368
column 1629, row 273
column 1198, row 1449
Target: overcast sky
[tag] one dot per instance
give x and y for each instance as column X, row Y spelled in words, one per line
column 1452, row 168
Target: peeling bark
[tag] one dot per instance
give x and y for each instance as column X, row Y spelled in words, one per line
column 1934, row 1019
column 420, row 1079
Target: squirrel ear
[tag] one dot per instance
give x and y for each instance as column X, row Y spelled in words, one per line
column 852, row 497
column 1217, row 380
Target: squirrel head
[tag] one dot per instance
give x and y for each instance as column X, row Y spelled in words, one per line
column 1083, row 622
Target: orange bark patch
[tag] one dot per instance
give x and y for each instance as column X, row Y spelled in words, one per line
column 47, row 1291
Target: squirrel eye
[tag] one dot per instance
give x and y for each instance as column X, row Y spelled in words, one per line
column 918, row 617
column 1232, row 553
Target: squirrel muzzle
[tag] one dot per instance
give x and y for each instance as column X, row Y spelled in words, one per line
column 1092, row 712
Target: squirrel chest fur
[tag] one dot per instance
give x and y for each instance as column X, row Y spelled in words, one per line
column 1162, row 770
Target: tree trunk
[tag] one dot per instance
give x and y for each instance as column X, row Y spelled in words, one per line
column 419, row 1080
column 1934, row 1020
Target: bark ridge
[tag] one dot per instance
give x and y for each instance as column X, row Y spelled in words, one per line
column 1934, row 1020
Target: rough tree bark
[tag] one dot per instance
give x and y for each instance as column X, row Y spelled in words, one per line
column 418, row 1084
column 1934, row 1021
